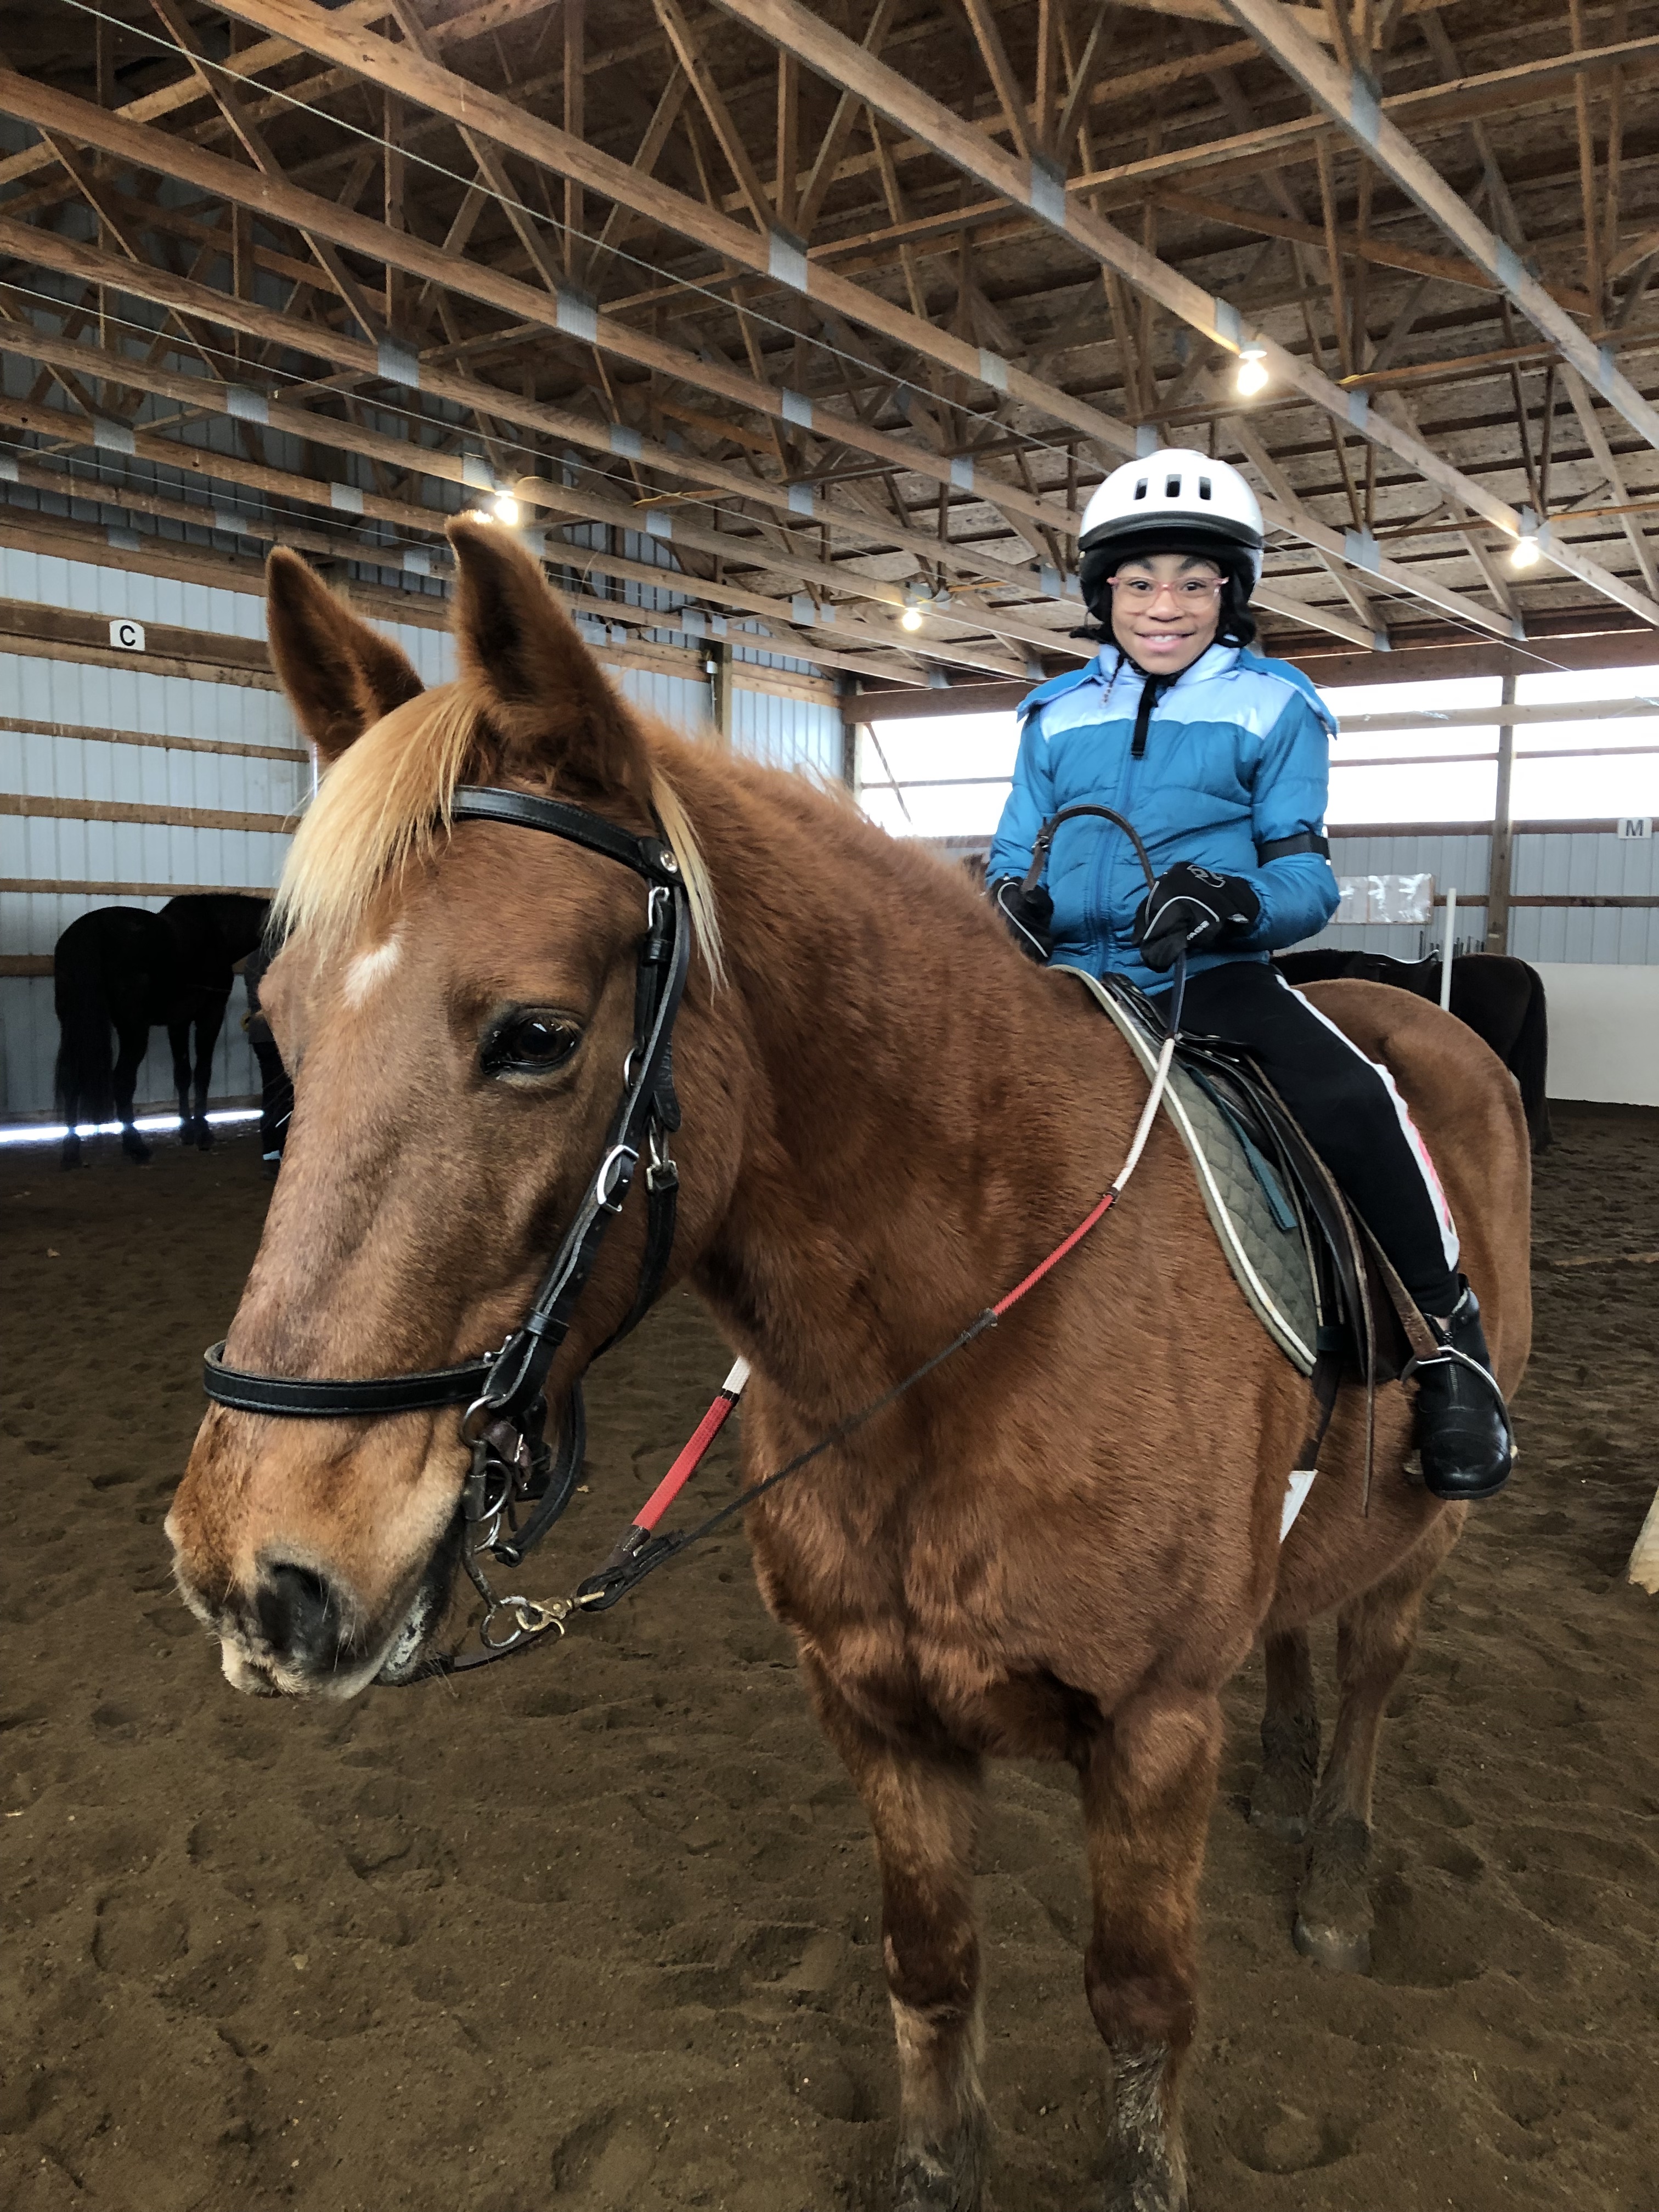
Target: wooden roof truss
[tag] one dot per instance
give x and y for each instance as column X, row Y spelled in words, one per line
column 841, row 311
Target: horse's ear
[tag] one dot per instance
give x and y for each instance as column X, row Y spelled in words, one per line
column 340, row 675
column 548, row 700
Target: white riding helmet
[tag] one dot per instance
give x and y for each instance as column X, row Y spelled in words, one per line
column 1176, row 502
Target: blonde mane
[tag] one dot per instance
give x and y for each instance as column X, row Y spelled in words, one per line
column 386, row 803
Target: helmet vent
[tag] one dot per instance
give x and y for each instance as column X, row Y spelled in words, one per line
column 1203, row 488
column 1140, row 489
column 1172, row 487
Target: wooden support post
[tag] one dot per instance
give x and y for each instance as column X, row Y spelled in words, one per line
column 851, row 734
column 1503, row 840
column 718, row 661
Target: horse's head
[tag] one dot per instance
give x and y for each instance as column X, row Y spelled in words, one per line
column 456, row 1010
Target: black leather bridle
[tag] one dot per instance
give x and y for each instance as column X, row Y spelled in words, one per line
column 503, row 1391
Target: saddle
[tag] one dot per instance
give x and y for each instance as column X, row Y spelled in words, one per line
column 1309, row 1267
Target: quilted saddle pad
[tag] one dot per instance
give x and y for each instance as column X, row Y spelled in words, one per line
column 1262, row 1236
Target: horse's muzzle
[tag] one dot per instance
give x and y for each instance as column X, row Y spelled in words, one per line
column 297, row 1632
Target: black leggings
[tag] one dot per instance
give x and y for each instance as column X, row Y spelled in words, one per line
column 1348, row 1108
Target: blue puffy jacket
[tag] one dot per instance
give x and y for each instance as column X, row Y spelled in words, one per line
column 1236, row 760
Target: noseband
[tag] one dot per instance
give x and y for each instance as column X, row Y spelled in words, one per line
column 503, row 1391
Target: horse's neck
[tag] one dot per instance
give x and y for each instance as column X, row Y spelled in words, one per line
column 913, row 1125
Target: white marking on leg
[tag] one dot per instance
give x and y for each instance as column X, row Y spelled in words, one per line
column 369, row 969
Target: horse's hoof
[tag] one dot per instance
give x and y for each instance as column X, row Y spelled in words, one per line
column 137, row 1151
column 923, row 2181
column 71, row 1158
column 205, row 1141
column 1343, row 1950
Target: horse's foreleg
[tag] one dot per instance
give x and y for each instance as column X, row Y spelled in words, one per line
column 133, row 1043
column 207, row 1026
column 1375, row 1634
column 1148, row 1780
column 1283, row 1793
column 179, row 1038
column 924, row 1803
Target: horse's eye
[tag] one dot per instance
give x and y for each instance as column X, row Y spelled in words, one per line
column 529, row 1044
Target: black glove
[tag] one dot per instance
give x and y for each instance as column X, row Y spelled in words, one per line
column 1192, row 908
column 1030, row 915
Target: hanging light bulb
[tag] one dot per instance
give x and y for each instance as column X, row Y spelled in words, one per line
column 1525, row 554
column 911, row 618
column 505, row 508
column 1252, row 369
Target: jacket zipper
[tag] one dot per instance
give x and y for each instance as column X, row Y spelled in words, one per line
column 1152, row 687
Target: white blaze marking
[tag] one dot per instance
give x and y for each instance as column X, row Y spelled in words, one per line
column 369, row 969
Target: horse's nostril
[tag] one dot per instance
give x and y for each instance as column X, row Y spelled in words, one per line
column 299, row 1614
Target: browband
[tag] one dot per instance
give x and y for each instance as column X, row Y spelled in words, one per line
column 647, row 856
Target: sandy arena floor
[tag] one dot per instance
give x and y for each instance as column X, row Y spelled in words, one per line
column 595, row 1929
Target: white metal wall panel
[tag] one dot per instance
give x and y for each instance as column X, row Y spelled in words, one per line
column 676, row 699
column 85, row 588
column 88, row 590
column 136, row 699
column 797, row 734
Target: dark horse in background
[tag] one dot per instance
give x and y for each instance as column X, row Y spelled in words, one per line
column 125, row 968
column 1501, row 998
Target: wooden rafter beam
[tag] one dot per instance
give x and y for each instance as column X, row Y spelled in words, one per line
column 787, row 23
column 530, row 489
column 145, row 281
column 69, row 258
column 1601, row 452
column 1373, row 246
column 251, row 139
column 1261, row 149
column 46, row 107
column 402, row 514
column 774, row 256
column 1348, row 98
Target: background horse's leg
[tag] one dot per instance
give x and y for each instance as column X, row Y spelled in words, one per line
column 924, row 1805
column 208, row 1026
column 132, row 1040
column 179, row 1038
column 1283, row 1793
column 1148, row 1782
column 1376, row 1633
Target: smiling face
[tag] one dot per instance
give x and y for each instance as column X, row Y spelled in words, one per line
column 1166, row 609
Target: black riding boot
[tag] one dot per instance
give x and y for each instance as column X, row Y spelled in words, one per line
column 1462, row 1425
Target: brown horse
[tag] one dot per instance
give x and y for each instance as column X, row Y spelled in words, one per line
column 1061, row 1546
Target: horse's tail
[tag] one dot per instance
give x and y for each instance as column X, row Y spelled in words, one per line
column 1529, row 1062
column 82, row 1078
